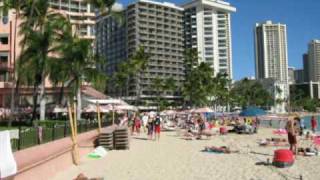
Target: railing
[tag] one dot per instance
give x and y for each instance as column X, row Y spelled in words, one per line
column 32, row 136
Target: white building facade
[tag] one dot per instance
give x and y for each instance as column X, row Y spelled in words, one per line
column 314, row 60
column 208, row 28
column 271, row 58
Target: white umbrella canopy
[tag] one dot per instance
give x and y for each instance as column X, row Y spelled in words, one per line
column 203, row 110
column 107, row 101
column 169, row 112
column 90, row 109
column 125, row 108
column 59, row 110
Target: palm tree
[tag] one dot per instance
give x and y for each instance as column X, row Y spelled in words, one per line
column 81, row 67
column 42, row 33
column 139, row 62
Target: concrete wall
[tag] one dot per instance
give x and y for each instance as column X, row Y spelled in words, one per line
column 46, row 160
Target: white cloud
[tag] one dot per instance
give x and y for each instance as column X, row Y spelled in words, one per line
column 117, row 7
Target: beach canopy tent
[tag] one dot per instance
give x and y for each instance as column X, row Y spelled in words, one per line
column 252, row 111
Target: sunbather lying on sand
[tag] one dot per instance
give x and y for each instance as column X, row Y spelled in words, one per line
column 273, row 142
column 222, row 149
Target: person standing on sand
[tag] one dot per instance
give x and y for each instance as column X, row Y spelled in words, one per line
column 157, row 127
column 145, row 118
column 314, row 124
column 131, row 124
column 137, row 124
column 292, row 130
column 150, row 127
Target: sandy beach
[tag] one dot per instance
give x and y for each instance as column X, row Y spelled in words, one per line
column 173, row 158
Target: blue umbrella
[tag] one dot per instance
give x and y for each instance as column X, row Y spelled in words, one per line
column 252, row 111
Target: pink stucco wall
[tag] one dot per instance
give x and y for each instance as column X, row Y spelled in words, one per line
column 43, row 161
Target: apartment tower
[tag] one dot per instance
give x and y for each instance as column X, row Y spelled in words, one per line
column 207, row 26
column 271, row 51
column 314, row 60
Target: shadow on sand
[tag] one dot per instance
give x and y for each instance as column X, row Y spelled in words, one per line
column 141, row 138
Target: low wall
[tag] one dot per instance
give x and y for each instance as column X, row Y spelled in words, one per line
column 46, row 160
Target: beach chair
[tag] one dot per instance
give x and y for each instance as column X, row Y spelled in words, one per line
column 8, row 165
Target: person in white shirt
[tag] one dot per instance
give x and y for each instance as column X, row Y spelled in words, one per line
column 145, row 119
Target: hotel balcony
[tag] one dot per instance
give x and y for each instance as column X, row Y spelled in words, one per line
column 5, row 84
column 5, row 67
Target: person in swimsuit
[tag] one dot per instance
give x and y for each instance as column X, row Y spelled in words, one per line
column 293, row 130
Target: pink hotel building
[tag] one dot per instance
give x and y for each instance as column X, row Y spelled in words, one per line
column 81, row 16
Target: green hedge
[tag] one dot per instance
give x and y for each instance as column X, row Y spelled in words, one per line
column 49, row 123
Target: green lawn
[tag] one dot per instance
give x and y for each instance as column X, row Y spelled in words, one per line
column 2, row 128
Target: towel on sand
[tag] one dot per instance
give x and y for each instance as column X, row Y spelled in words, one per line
column 8, row 165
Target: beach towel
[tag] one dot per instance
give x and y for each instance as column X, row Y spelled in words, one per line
column 98, row 153
column 8, row 165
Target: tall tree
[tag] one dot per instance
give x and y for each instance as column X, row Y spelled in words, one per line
column 81, row 67
column 42, row 29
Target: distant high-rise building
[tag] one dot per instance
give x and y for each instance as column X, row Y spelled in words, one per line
column 158, row 28
column 314, row 60
column 306, row 68
column 299, row 76
column 207, row 26
column 81, row 14
column 271, row 51
column 291, row 79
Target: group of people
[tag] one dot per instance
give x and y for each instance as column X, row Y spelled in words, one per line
column 295, row 127
column 150, row 123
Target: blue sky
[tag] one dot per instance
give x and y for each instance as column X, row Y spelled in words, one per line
column 302, row 18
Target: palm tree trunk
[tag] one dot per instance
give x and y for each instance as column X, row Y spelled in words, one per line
column 79, row 104
column 35, row 101
column 42, row 99
column 12, row 103
column 61, row 94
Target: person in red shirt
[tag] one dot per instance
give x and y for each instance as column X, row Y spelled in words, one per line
column 137, row 123
column 314, row 124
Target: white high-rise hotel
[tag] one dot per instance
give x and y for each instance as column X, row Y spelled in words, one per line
column 208, row 28
column 271, row 51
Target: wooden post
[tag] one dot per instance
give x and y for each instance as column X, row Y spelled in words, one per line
column 73, row 137
column 99, row 118
column 75, row 121
column 112, row 114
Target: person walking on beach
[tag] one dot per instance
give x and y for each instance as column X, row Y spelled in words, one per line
column 145, row 118
column 314, row 124
column 137, row 124
column 291, row 128
column 131, row 124
column 157, row 128
column 150, row 127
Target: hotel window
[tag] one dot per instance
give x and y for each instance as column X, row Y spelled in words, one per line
column 4, row 57
column 3, row 39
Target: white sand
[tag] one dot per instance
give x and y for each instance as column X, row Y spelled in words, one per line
column 173, row 158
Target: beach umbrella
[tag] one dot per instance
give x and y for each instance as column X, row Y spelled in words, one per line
column 203, row 110
column 90, row 109
column 125, row 107
column 59, row 110
column 168, row 112
column 252, row 111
